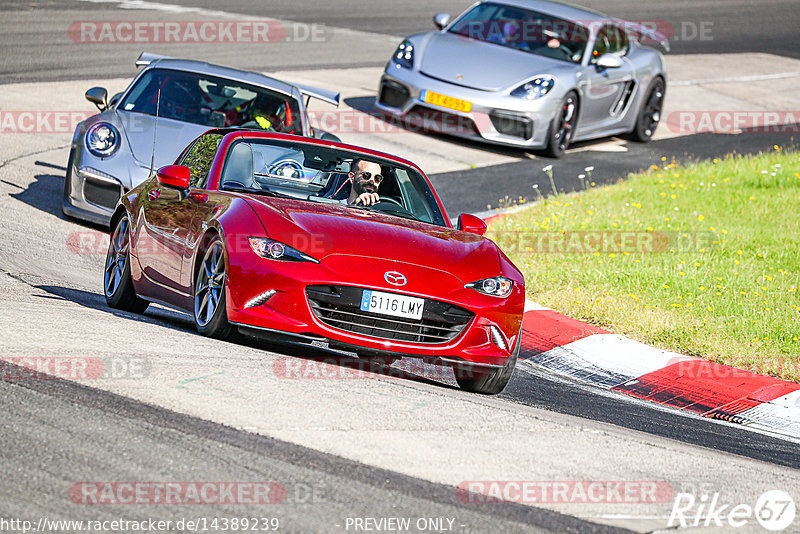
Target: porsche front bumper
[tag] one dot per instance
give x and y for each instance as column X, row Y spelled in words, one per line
column 493, row 117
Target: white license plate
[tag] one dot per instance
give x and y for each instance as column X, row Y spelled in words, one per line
column 390, row 304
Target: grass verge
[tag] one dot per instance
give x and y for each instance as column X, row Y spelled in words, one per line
column 702, row 259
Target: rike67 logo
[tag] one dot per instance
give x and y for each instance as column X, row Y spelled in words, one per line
column 775, row 510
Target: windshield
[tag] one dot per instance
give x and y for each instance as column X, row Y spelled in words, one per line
column 212, row 101
column 522, row 29
column 323, row 174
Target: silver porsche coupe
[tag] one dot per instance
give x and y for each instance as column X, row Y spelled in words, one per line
column 168, row 104
column 528, row 73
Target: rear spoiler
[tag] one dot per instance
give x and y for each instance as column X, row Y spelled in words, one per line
column 145, row 58
column 645, row 31
column 331, row 97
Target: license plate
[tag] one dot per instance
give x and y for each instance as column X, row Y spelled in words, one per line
column 448, row 102
column 391, row 304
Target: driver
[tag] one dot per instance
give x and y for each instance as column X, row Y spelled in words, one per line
column 364, row 177
column 264, row 115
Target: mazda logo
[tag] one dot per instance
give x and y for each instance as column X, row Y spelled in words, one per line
column 395, row 278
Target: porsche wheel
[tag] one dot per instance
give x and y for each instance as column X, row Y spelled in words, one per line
column 117, row 283
column 489, row 382
column 650, row 113
column 210, row 311
column 563, row 127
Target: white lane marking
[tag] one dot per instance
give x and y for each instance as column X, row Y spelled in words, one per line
column 601, row 391
column 532, row 306
column 781, row 415
column 736, row 79
column 606, row 360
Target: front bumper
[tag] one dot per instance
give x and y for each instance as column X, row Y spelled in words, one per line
column 485, row 338
column 494, row 117
column 94, row 186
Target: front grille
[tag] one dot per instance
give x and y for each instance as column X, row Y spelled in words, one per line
column 442, row 121
column 393, row 95
column 339, row 307
column 512, row 124
column 101, row 193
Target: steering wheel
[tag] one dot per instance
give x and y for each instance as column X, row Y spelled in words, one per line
column 390, row 200
column 175, row 104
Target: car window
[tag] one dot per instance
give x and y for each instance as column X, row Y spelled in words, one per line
column 610, row 40
column 200, row 157
column 523, row 29
column 212, row 101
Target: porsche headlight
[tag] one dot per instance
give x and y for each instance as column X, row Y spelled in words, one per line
column 102, row 139
column 497, row 286
column 535, row 88
column 275, row 250
column 404, row 55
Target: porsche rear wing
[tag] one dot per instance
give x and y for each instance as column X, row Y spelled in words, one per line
column 309, row 91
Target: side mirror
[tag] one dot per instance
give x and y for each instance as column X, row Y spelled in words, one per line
column 114, row 99
column 470, row 223
column 98, row 96
column 609, row 61
column 441, row 20
column 174, row 176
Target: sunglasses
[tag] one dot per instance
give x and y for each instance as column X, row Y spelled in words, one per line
column 366, row 175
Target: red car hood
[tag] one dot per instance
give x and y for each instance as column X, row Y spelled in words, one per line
column 321, row 230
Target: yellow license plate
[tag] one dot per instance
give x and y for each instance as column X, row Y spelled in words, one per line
column 448, row 102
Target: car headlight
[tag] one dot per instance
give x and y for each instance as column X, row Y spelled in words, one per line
column 275, row 250
column 102, row 139
column 535, row 88
column 404, row 55
column 497, row 286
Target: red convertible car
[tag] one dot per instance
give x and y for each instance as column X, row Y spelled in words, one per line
column 259, row 233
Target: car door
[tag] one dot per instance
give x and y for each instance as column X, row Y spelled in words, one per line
column 607, row 90
column 168, row 215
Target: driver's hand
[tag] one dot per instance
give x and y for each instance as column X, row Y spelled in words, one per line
column 367, row 199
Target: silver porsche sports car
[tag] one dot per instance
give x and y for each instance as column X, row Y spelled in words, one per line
column 167, row 105
column 528, row 73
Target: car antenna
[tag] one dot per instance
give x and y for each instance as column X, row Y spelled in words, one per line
column 155, row 132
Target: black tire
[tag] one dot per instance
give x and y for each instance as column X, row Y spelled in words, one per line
column 562, row 129
column 490, row 382
column 68, row 180
column 650, row 113
column 210, row 307
column 117, row 283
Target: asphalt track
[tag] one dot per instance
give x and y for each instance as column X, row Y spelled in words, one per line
column 56, row 432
